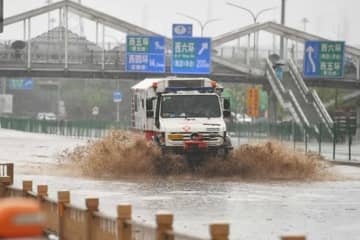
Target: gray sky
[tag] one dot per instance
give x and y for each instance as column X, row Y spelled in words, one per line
column 327, row 17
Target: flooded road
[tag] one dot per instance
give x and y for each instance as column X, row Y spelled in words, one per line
column 255, row 210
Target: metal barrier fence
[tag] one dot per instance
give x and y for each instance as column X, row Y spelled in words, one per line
column 343, row 145
column 87, row 128
column 68, row 221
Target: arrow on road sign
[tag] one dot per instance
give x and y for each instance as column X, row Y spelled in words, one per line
column 158, row 45
column 310, row 51
column 204, row 46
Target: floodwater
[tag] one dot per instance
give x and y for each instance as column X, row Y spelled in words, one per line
column 255, row 210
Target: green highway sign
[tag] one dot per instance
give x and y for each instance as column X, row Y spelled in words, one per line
column 324, row 59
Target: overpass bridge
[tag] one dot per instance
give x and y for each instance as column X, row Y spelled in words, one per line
column 95, row 61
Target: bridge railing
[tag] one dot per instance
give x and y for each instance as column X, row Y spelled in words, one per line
column 68, row 221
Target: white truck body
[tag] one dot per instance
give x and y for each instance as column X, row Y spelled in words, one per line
column 180, row 108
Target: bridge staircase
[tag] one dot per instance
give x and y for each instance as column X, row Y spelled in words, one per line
column 304, row 104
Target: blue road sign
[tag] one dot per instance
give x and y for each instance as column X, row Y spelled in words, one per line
column 182, row 30
column 117, row 96
column 145, row 54
column 20, row 84
column 324, row 59
column 191, row 55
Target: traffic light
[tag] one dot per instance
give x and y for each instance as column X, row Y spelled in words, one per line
column 1, row 15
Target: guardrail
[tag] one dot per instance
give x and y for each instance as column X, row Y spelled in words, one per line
column 72, row 222
column 89, row 129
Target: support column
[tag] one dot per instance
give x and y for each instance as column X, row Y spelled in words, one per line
column 238, row 47
column 29, row 45
column 257, row 36
column 285, row 55
column 97, row 33
column 357, row 136
column 283, row 7
column 103, row 48
column 60, row 18
column 274, row 43
column 272, row 106
column 66, row 60
column 357, row 68
column 24, row 28
column 248, row 51
column 296, row 52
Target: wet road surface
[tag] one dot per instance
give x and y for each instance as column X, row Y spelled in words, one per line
column 256, row 210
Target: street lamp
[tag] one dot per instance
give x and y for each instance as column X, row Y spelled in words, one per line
column 305, row 21
column 202, row 24
column 255, row 17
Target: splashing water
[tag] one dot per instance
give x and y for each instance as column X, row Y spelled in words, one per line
column 124, row 154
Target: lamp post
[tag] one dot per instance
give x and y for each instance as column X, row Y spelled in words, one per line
column 305, row 21
column 255, row 17
column 283, row 10
column 201, row 24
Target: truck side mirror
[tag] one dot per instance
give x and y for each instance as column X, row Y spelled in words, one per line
column 227, row 104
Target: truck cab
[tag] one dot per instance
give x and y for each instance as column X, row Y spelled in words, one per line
column 182, row 115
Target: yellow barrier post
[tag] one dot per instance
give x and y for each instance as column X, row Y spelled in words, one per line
column 42, row 191
column 124, row 227
column 219, row 231
column 26, row 187
column 10, row 172
column 6, row 175
column 293, row 238
column 92, row 205
column 63, row 198
column 164, row 228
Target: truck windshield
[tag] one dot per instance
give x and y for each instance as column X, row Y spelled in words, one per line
column 202, row 106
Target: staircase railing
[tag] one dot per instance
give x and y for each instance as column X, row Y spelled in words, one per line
column 311, row 96
column 285, row 97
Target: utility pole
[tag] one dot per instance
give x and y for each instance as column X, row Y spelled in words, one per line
column 1, row 16
column 283, row 6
